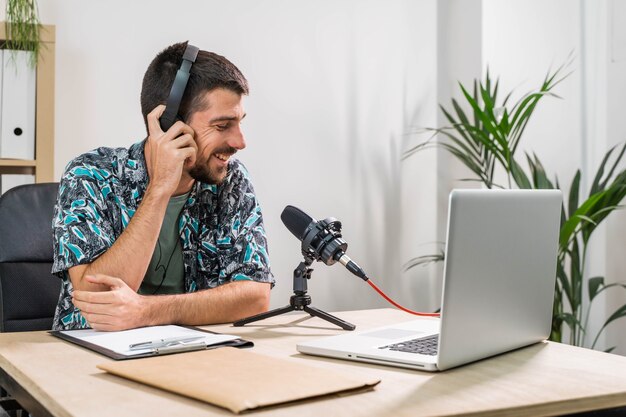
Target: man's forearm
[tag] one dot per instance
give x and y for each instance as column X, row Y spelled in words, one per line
column 223, row 304
column 128, row 258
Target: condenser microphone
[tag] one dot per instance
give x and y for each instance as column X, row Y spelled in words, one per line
column 296, row 220
column 321, row 239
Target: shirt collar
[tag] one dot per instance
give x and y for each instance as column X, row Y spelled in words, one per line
column 137, row 154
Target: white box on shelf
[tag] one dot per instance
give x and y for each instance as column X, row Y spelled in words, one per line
column 17, row 126
column 8, row 181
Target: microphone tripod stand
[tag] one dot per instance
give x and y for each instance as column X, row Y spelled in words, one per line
column 299, row 300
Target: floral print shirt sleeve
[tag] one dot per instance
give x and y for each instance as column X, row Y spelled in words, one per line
column 82, row 225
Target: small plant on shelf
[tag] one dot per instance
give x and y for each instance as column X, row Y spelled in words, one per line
column 23, row 28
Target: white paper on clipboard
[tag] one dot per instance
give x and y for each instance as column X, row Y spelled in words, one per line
column 119, row 342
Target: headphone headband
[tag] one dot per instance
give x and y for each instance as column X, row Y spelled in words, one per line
column 178, row 88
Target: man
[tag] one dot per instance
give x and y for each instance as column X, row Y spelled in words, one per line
column 169, row 230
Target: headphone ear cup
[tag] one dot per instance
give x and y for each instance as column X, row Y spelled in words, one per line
column 170, row 115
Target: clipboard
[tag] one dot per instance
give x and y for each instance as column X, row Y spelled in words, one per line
column 116, row 345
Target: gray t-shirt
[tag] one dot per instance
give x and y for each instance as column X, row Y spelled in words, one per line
column 165, row 274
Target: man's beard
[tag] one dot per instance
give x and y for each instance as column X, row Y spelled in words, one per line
column 202, row 171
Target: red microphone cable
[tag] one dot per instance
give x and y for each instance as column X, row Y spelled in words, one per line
column 369, row 281
column 359, row 272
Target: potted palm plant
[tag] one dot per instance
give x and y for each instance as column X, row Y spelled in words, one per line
column 488, row 136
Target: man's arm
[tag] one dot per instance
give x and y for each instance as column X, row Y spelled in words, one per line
column 122, row 308
column 129, row 256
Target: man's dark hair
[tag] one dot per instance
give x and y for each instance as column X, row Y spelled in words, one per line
column 210, row 71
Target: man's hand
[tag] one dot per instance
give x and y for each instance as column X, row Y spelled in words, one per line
column 168, row 152
column 118, row 308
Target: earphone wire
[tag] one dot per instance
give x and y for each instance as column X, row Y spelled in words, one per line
column 160, row 266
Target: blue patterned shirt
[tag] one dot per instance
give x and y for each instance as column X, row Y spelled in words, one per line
column 221, row 226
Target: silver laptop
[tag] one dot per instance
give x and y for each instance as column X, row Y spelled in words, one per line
column 498, row 288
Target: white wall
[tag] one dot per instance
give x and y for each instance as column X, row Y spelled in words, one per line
column 334, row 87
column 612, row 21
column 522, row 41
column 337, row 92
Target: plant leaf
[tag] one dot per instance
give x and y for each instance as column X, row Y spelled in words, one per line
column 458, row 126
column 619, row 313
column 574, row 190
column 540, row 177
column 606, row 287
column 572, row 223
column 564, row 282
column 598, row 184
column 519, row 176
column 488, row 123
column 588, row 219
column 594, row 284
column 571, row 320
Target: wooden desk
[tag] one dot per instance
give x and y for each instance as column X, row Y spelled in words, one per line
column 61, row 379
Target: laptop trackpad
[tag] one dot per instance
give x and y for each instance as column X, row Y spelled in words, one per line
column 392, row 333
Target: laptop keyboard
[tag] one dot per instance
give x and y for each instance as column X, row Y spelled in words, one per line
column 423, row 346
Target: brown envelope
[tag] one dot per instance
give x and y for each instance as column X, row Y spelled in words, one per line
column 236, row 379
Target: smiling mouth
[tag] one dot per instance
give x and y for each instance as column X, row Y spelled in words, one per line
column 222, row 156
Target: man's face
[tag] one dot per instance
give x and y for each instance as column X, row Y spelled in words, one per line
column 218, row 135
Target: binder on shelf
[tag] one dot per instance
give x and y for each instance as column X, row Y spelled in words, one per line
column 17, row 110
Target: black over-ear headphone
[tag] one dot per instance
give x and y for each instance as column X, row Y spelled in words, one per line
column 178, row 88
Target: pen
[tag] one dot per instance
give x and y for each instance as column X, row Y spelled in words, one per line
column 161, row 343
column 180, row 348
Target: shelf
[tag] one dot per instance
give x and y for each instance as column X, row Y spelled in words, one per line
column 43, row 164
column 17, row 163
column 47, row 32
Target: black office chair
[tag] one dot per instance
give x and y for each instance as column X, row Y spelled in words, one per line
column 28, row 291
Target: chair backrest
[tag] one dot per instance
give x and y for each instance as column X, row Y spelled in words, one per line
column 28, row 291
